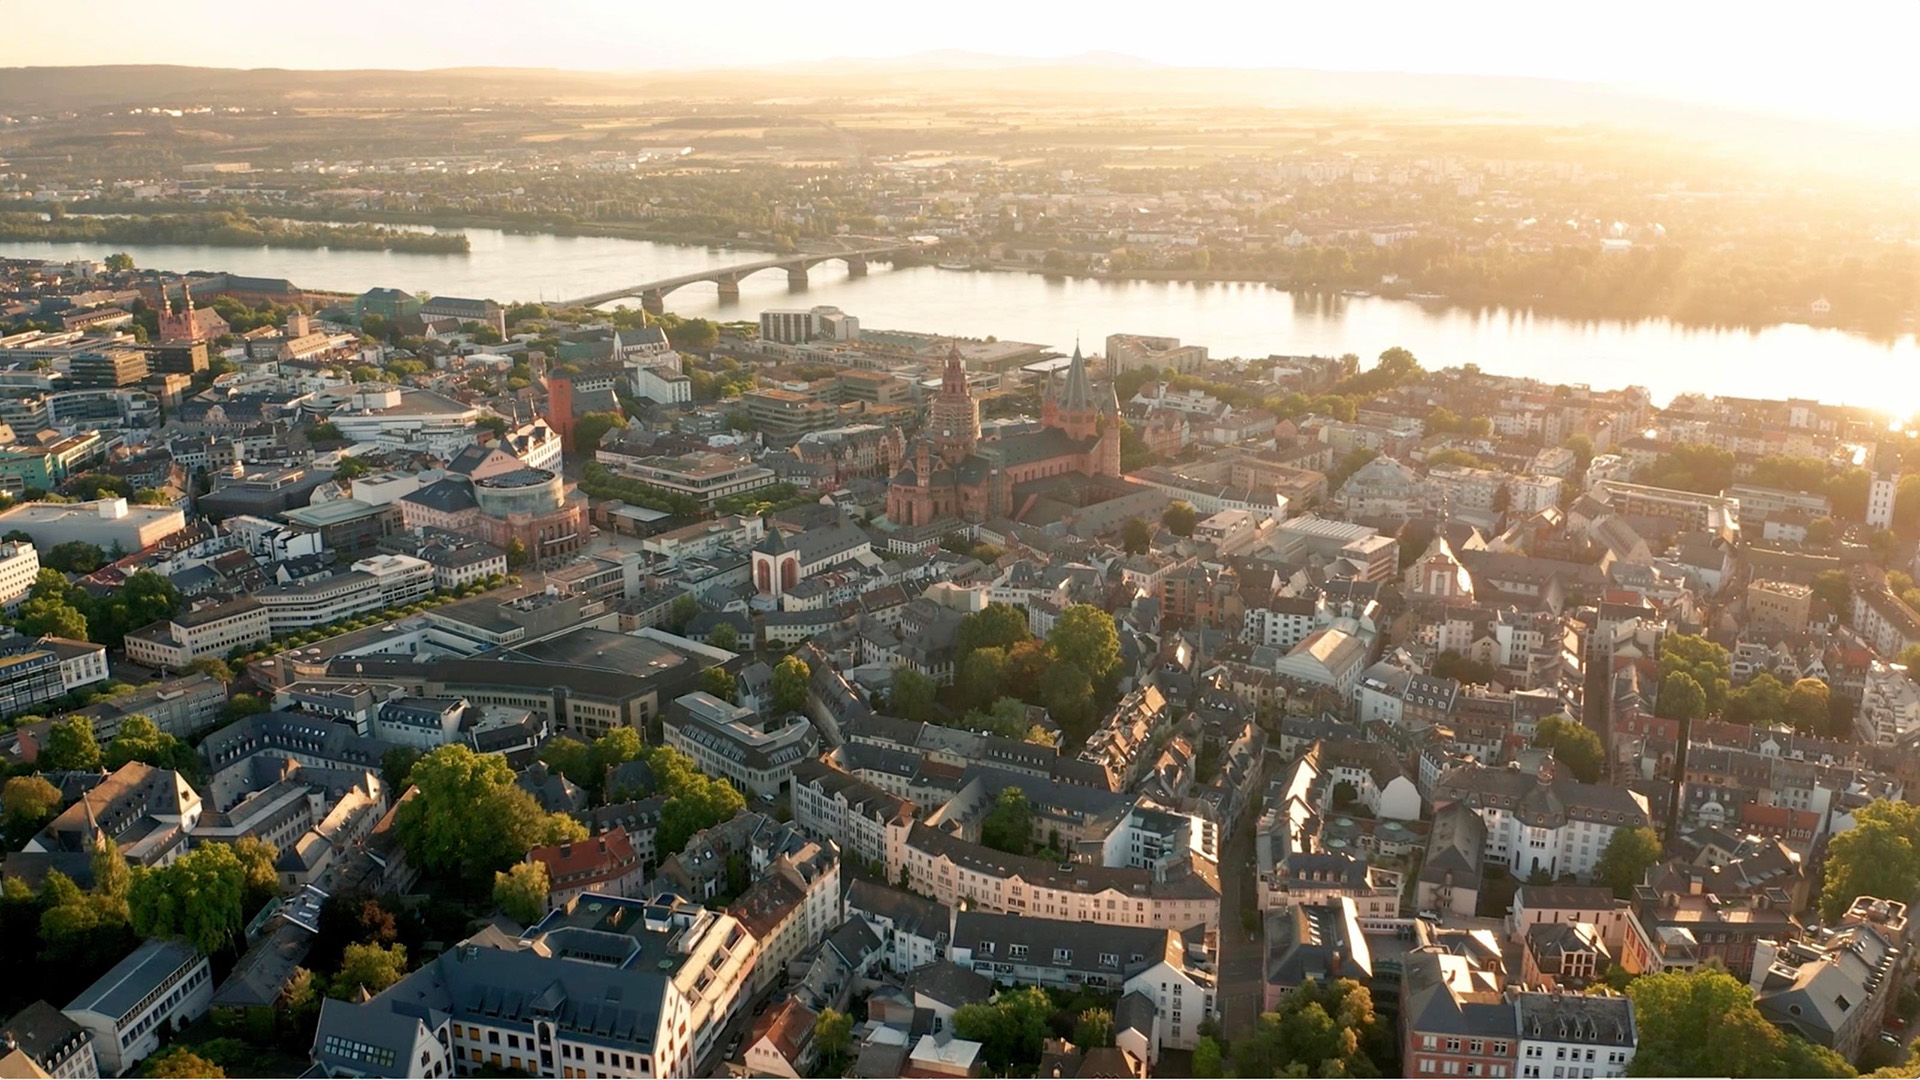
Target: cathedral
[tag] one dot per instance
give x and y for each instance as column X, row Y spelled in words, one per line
column 950, row 473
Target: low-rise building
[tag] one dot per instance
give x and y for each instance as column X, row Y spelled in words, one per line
column 605, row 864
column 758, row 754
column 208, row 629
column 162, row 986
column 1574, row 1034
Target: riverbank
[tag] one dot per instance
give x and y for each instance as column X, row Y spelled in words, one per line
column 223, row 229
column 1440, row 302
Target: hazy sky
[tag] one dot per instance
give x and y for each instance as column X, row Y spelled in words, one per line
column 1845, row 58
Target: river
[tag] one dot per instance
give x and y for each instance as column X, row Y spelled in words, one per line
column 1231, row 319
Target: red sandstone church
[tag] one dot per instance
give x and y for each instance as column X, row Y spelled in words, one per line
column 952, row 474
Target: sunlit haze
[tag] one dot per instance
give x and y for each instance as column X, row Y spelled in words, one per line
column 1849, row 61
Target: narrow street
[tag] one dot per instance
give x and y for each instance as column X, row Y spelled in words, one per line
column 1240, row 952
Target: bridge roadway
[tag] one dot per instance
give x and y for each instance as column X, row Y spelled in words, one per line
column 653, row 294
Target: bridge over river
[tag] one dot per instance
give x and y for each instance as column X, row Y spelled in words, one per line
column 653, row 294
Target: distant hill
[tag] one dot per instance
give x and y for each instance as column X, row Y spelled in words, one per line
column 972, row 78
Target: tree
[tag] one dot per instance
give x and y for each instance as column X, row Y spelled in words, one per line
column 790, row 680
column 1879, row 856
column 1672, row 1009
column 996, row 626
column 521, row 891
column 568, row 757
column 396, row 767
column 1011, row 1029
column 1207, row 1057
column 981, row 675
column 1574, row 745
column 1008, row 826
column 1084, row 636
column 52, row 618
column 694, row 801
column 469, row 819
column 1093, row 1027
column 833, row 1038
column 70, row 746
column 119, row 262
column 241, row 706
column 1136, row 536
column 350, row 469
column 682, row 611
column 1705, row 662
column 1067, row 694
column 591, row 428
column 1624, row 862
column 257, row 857
column 1763, row 701
column 369, row 967
column 912, row 693
column 1681, row 698
column 1007, row 719
column 200, row 897
column 1821, row 531
column 1317, row 1031
column 140, row 739
column 74, row 557
column 214, row 667
column 719, row 682
column 516, row 553
column 1450, row 664
column 617, row 747
column 29, row 802
column 1807, row 706
column 1835, row 588
column 179, row 1061
column 1180, row 518
column 724, row 636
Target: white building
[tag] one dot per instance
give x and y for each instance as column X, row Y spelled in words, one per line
column 679, row 972
column 1889, row 705
column 756, row 754
column 1575, row 1035
column 208, row 630
column 104, row 523
column 19, row 566
column 1546, row 822
column 661, row 384
column 1881, row 490
column 159, row 986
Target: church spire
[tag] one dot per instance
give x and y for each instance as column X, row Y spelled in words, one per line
column 1079, row 392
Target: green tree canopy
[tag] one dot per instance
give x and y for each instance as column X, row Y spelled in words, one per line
column 1067, row 694
column 1136, row 536
column 1674, row 1009
column 70, row 746
column 1879, row 856
column 724, row 636
column 694, row 801
column 1706, row 663
column 370, row 967
column 1180, row 518
column 469, row 819
column 1084, row 636
column 1681, row 698
column 1807, row 706
column 1317, row 1031
column 1093, row 1027
column 181, row 1062
column 29, row 802
column 521, row 891
column 1008, row 826
column 1624, row 861
column 718, row 681
column 140, row 739
column 790, row 679
column 1012, row 1028
column 200, row 896
column 912, row 694
column 1575, row 745
column 996, row 626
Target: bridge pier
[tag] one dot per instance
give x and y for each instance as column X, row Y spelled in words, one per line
column 857, row 266
column 729, row 287
column 653, row 302
column 796, row 277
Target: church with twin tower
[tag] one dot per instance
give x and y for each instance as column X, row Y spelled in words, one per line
column 952, row 474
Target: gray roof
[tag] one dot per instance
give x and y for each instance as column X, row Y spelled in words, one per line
column 950, row 984
column 1576, row 1018
column 139, row 973
column 909, row 912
